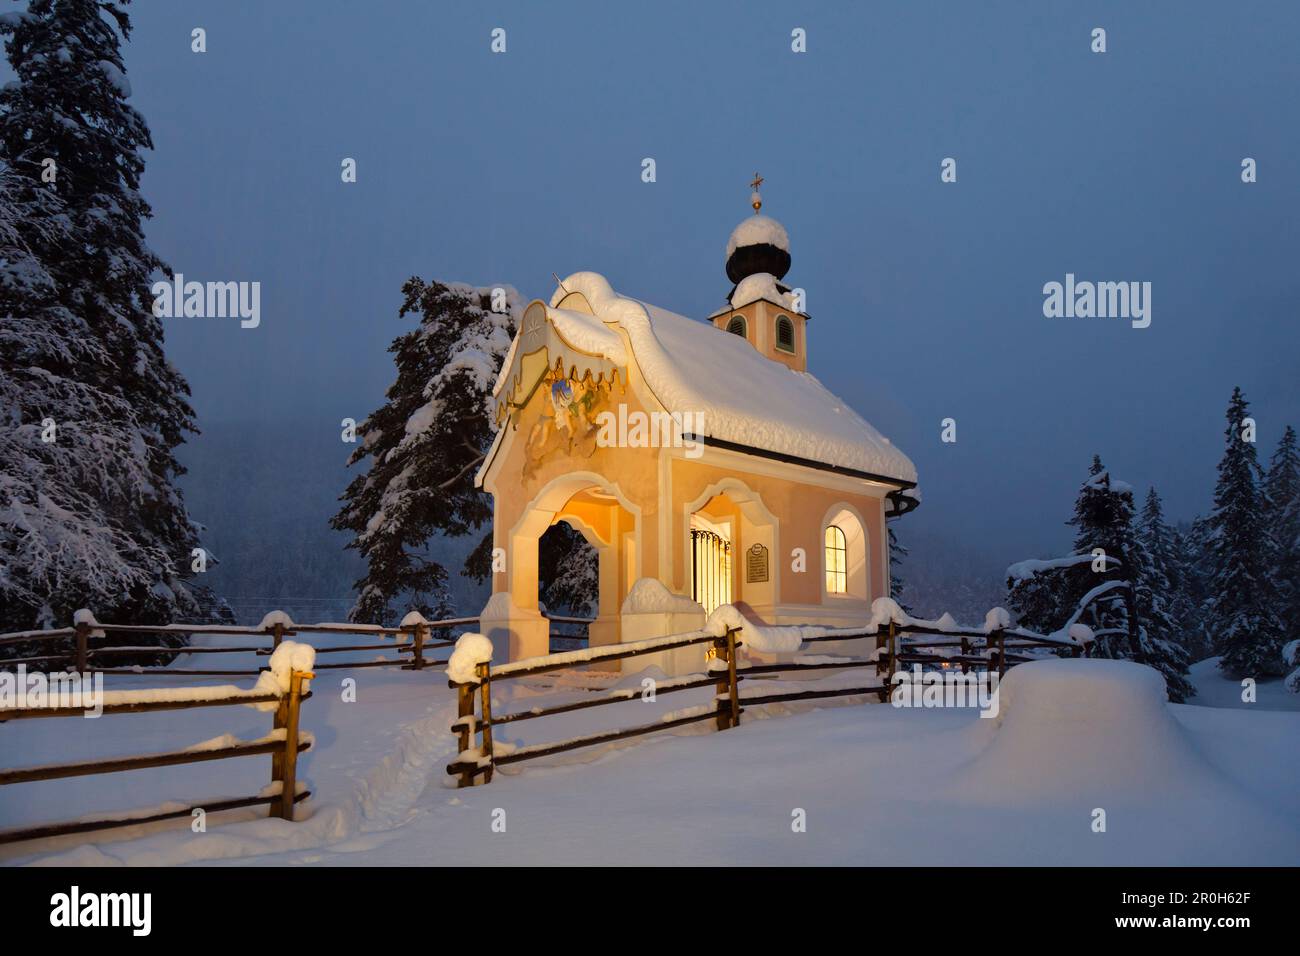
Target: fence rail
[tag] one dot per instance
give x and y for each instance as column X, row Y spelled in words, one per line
column 283, row 744
column 974, row 649
column 82, row 654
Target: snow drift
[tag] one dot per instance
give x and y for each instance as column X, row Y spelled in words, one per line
column 1083, row 729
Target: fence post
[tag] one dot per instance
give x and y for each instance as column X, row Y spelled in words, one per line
column 893, row 650
column 83, row 639
column 464, row 709
column 965, row 653
column 485, row 687
column 722, row 688
column 1002, row 652
column 882, row 642
column 731, row 677
column 277, row 633
column 418, row 636
column 279, row 722
column 289, row 761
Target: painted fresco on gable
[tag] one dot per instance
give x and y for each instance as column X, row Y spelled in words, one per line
column 566, row 426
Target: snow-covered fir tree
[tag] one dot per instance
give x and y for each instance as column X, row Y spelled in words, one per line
column 1105, row 583
column 425, row 444
column 1132, row 622
column 59, row 550
column 1243, row 614
column 1187, row 544
column 897, row 554
column 1159, row 586
column 568, row 572
column 1201, row 555
column 93, row 411
column 1282, row 501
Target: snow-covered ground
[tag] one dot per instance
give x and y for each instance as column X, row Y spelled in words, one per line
column 1216, row 689
column 876, row 784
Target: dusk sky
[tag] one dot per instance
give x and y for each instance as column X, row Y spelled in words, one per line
column 926, row 297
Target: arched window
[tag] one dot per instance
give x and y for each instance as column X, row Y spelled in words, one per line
column 737, row 326
column 837, row 561
column 784, row 333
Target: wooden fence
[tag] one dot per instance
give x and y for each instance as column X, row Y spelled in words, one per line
column 83, row 652
column 284, row 743
column 974, row 649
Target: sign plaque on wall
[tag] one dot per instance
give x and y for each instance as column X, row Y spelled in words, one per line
column 756, row 565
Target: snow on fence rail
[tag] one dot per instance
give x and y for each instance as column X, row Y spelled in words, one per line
column 283, row 688
column 726, row 630
column 276, row 625
column 81, row 654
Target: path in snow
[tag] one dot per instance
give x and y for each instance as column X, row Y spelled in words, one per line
column 878, row 785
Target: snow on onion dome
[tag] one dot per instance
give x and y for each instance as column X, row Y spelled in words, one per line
column 758, row 230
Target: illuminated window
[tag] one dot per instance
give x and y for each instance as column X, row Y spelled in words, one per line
column 837, row 564
column 737, row 326
column 784, row 333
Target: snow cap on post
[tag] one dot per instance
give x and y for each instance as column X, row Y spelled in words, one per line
column 1080, row 634
column 997, row 619
column 886, row 609
column 290, row 656
column 86, row 616
column 276, row 617
column 471, row 650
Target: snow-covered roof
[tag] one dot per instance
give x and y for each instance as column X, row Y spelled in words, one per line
column 755, row 230
column 690, row 366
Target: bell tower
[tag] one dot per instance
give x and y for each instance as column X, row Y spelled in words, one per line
column 760, row 308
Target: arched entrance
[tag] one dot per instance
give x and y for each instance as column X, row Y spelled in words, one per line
column 610, row 523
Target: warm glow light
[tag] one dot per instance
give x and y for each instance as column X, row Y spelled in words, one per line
column 837, row 565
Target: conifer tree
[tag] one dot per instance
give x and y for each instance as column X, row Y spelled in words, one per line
column 896, row 555
column 568, row 571
column 1132, row 621
column 1198, row 570
column 1189, row 589
column 1243, row 618
column 1282, row 502
column 425, row 445
column 90, row 512
column 1108, row 582
column 1159, row 586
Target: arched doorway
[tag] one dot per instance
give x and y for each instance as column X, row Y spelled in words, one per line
column 609, row 523
column 568, row 571
column 568, row 583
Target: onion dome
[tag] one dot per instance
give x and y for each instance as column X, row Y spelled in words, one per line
column 758, row 245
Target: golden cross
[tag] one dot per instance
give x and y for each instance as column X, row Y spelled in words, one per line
column 758, row 181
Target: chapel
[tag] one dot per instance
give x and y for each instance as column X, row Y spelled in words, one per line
column 701, row 459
